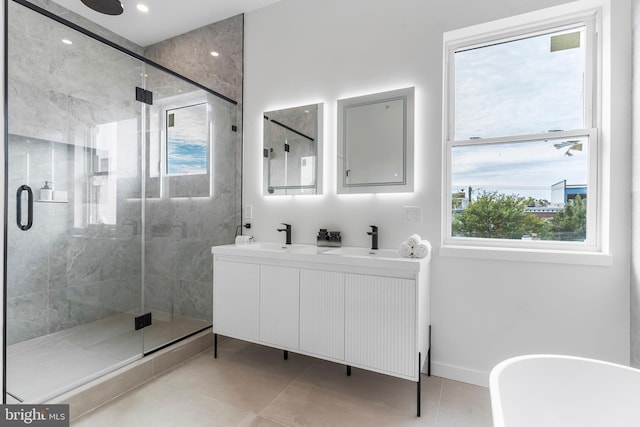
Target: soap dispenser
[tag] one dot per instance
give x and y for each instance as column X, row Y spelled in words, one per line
column 46, row 192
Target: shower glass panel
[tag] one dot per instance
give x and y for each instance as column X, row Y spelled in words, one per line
column 113, row 205
column 191, row 203
column 74, row 162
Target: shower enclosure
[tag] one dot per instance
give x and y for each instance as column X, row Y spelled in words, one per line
column 120, row 177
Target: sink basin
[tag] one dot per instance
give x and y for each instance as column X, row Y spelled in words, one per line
column 364, row 252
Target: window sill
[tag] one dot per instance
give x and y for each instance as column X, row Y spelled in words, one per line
column 597, row 259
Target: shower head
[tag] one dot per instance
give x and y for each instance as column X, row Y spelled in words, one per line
column 108, row 7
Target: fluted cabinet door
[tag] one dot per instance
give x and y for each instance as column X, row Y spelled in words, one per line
column 322, row 313
column 279, row 306
column 380, row 324
column 236, row 291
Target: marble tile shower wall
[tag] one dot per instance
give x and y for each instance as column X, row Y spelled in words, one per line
column 65, row 271
column 181, row 230
column 57, row 92
column 61, row 273
column 73, row 275
column 83, row 22
column 189, row 55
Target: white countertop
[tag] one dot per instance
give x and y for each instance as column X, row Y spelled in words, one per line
column 344, row 256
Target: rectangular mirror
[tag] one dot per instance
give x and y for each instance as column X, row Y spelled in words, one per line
column 375, row 143
column 291, row 150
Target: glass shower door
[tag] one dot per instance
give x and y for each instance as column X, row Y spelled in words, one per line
column 191, row 204
column 75, row 211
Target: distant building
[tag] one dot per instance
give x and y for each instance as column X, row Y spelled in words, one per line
column 544, row 212
column 561, row 193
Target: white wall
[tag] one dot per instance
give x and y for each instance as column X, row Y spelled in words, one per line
column 635, row 211
column 304, row 51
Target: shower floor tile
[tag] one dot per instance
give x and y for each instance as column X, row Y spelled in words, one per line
column 44, row 367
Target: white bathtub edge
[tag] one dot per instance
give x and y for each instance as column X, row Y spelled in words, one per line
column 494, row 377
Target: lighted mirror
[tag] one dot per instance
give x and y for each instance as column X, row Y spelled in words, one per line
column 291, row 150
column 375, row 143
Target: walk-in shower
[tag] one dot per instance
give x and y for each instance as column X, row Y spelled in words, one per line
column 120, row 177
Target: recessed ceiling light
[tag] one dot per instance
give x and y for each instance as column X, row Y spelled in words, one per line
column 142, row 7
column 67, row 41
column 215, row 53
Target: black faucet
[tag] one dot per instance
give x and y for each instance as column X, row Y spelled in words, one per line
column 288, row 230
column 374, row 237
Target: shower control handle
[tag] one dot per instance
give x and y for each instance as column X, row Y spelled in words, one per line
column 21, row 226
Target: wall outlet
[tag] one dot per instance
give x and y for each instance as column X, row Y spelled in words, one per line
column 248, row 212
column 413, row 214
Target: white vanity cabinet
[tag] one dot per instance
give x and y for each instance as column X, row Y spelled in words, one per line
column 380, row 324
column 279, row 305
column 255, row 302
column 322, row 313
column 236, row 299
column 369, row 312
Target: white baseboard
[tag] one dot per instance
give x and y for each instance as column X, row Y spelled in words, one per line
column 458, row 373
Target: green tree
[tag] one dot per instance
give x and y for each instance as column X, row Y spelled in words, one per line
column 495, row 215
column 570, row 223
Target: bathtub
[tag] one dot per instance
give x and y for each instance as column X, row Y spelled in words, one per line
column 564, row 391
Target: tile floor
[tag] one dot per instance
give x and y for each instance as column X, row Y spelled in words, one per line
column 70, row 358
column 251, row 385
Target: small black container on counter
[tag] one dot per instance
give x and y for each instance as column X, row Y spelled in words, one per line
column 329, row 238
column 335, row 240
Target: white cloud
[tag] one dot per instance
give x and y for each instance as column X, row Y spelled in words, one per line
column 518, row 88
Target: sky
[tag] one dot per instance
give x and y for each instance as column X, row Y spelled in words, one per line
column 518, row 88
column 528, row 170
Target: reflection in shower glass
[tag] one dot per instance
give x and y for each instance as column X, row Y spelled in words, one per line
column 187, row 140
column 291, row 146
column 73, row 279
column 114, row 234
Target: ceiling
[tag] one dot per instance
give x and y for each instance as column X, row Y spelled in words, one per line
column 165, row 18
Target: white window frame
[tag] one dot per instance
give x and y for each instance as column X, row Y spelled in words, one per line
column 539, row 22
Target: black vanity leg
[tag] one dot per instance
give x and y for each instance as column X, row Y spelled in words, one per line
column 419, row 381
column 215, row 346
column 286, row 355
column 429, row 354
column 348, row 370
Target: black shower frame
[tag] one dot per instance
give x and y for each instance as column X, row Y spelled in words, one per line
column 107, row 42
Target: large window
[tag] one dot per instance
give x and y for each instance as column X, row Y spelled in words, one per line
column 521, row 138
